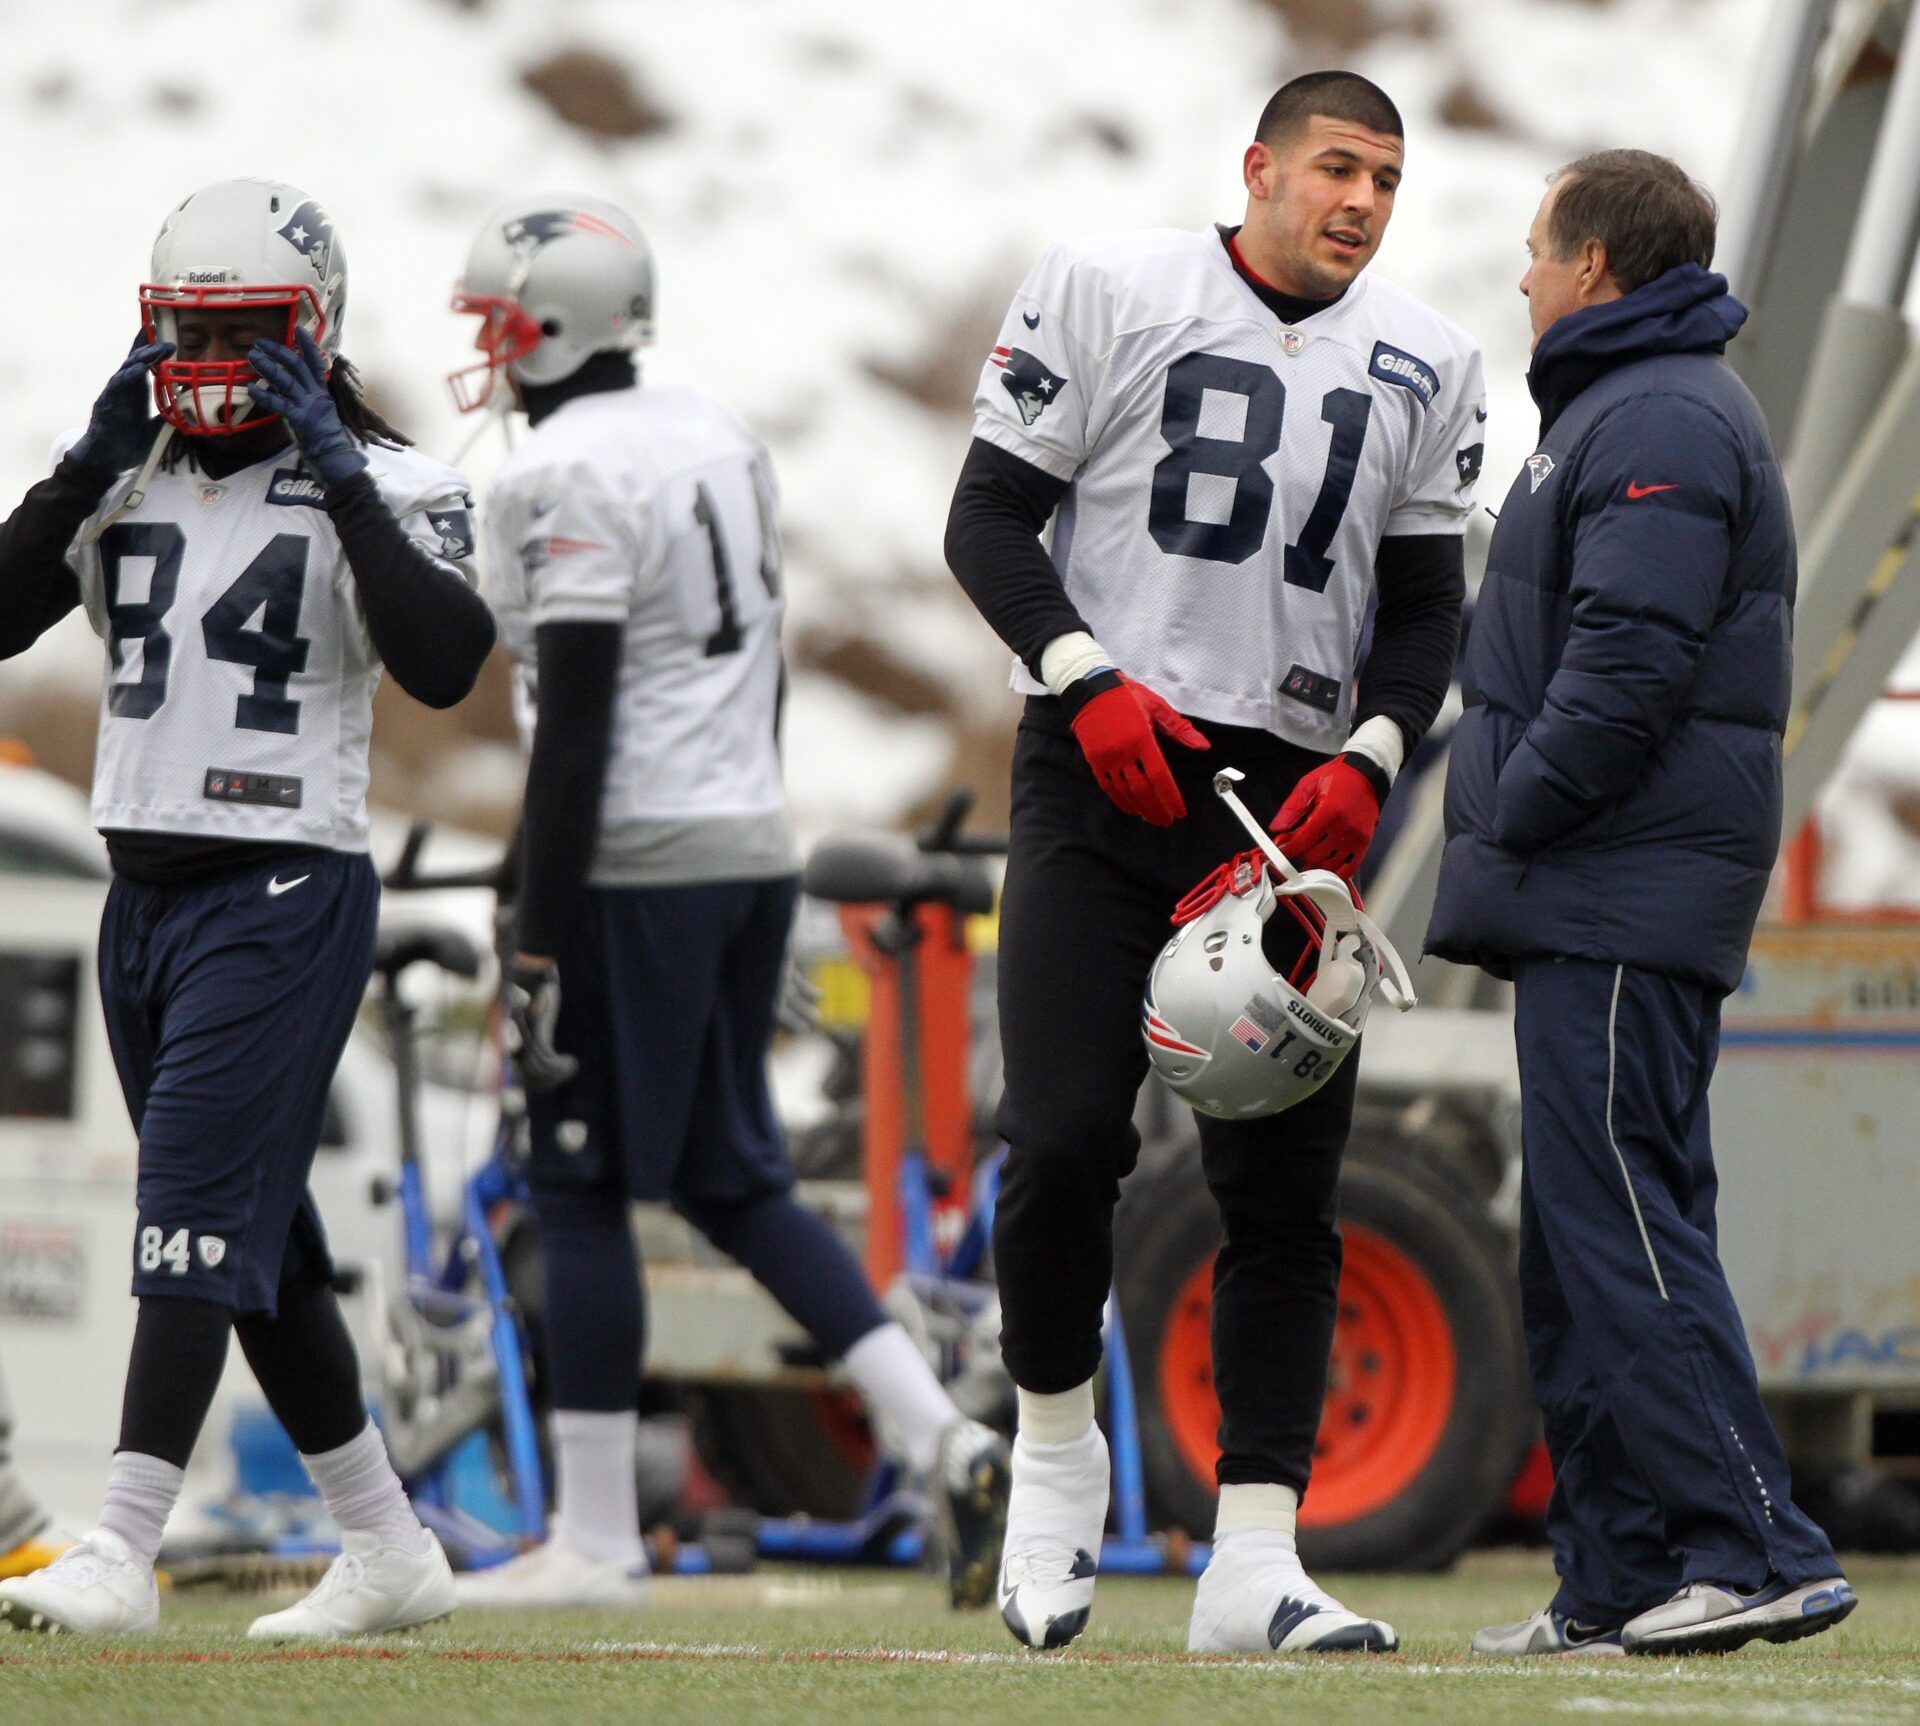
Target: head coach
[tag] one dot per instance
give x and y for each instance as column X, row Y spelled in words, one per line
column 1613, row 810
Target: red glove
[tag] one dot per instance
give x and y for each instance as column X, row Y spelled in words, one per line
column 1114, row 720
column 1327, row 821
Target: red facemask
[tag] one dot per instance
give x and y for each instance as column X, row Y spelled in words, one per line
column 208, row 398
column 506, row 334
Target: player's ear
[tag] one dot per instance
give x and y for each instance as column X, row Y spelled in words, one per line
column 1257, row 169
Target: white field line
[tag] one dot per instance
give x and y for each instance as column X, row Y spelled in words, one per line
column 1612, row 1672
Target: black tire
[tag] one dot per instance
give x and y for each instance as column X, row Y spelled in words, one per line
column 1409, row 1198
column 783, row 1452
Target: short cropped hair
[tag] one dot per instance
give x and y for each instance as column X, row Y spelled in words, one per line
column 1338, row 95
column 1648, row 212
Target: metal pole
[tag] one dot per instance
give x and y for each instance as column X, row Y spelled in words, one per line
column 1756, row 182
column 1863, row 336
column 1881, row 255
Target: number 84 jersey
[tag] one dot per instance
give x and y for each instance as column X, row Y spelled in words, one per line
column 1231, row 476
column 240, row 676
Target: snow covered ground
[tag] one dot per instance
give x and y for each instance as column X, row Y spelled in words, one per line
column 842, row 195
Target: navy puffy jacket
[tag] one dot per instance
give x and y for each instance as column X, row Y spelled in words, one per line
column 1613, row 789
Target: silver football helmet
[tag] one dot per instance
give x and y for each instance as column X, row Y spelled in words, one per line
column 552, row 279
column 1225, row 1031
column 239, row 245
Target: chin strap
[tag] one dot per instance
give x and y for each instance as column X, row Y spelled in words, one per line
column 498, row 412
column 141, row 481
column 1330, row 896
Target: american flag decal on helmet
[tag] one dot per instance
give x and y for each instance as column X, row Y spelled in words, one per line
column 1244, row 1030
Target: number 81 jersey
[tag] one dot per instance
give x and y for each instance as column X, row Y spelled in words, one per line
column 1231, row 476
column 238, row 701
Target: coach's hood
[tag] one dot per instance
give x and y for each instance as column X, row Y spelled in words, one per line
column 1689, row 310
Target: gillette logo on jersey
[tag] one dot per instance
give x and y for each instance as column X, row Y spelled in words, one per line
column 1396, row 366
column 290, row 487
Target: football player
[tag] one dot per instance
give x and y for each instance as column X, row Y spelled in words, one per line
column 251, row 560
column 1242, row 441
column 633, row 547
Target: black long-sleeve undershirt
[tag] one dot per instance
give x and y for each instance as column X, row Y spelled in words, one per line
column 577, row 677
column 1001, row 505
column 1000, row 508
column 38, row 586
column 430, row 629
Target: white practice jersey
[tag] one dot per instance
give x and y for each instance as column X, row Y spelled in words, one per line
column 239, row 694
column 1232, row 476
column 652, row 508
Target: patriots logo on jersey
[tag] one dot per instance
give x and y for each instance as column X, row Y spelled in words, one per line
column 1468, row 461
column 529, row 233
column 1028, row 381
column 455, row 528
column 1538, row 467
column 309, row 231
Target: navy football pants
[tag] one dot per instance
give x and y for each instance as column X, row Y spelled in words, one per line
column 228, row 1003
column 667, row 999
column 1666, row 1467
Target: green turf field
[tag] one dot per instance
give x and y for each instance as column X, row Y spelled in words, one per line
column 850, row 1648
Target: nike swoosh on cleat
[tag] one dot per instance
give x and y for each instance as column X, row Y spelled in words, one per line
column 1288, row 1616
column 276, row 886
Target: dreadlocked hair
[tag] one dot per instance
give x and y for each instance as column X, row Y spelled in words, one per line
column 362, row 423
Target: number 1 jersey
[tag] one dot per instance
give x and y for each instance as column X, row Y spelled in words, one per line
column 1231, row 475
column 653, row 508
column 240, row 676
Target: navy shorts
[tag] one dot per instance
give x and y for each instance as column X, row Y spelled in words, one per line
column 667, row 999
column 227, row 1006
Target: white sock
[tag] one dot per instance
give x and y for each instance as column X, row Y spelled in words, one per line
column 1263, row 1508
column 596, row 1503
column 902, row 1394
column 1056, row 1417
column 140, row 1495
column 363, row 1493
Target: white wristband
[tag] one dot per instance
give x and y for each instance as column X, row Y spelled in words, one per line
column 1068, row 658
column 1381, row 741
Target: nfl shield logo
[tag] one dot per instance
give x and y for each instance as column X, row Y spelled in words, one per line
column 212, row 1250
column 1293, row 341
column 1539, row 466
column 212, row 493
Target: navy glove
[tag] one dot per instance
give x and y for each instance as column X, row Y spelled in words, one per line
column 533, row 1011
column 122, row 427
column 292, row 383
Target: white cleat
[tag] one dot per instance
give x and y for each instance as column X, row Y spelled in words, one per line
column 1255, row 1598
column 555, row 1575
column 372, row 1586
column 1056, row 1515
column 95, row 1588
